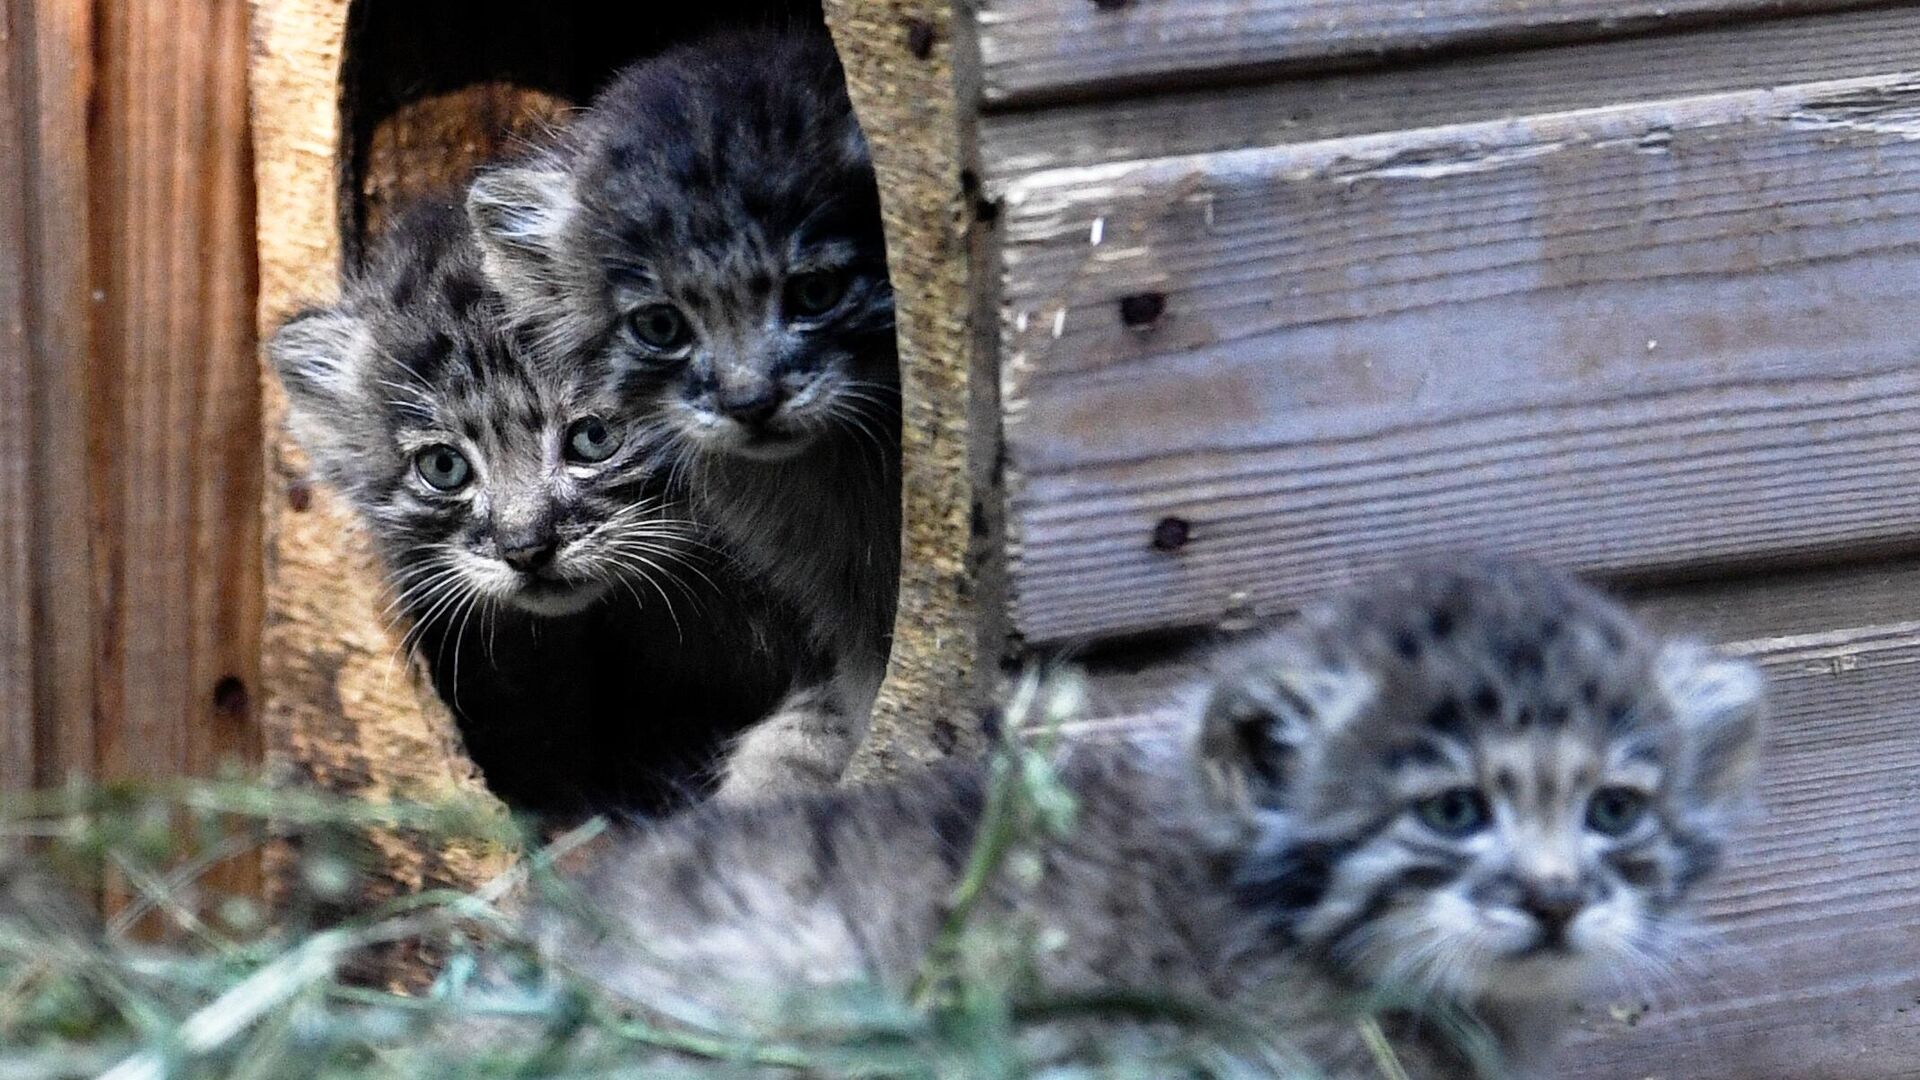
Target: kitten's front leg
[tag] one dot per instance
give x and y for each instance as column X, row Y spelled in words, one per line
column 807, row 741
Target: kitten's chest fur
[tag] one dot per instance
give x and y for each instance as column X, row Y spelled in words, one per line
column 822, row 532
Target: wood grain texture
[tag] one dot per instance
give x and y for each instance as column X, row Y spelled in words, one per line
column 48, row 717
column 1646, row 339
column 1039, row 50
column 18, row 650
column 898, row 56
column 340, row 706
column 131, row 456
column 1451, row 89
column 174, row 432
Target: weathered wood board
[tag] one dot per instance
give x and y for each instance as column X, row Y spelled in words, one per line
column 129, row 446
column 1640, row 338
column 1451, row 89
column 1038, row 50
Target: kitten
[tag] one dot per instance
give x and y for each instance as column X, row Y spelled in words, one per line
column 596, row 655
column 708, row 237
column 1461, row 796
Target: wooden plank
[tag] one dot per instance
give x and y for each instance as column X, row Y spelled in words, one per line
column 175, row 422
column 1040, row 50
column 17, row 646
column 1450, row 90
column 46, row 722
column 1646, row 339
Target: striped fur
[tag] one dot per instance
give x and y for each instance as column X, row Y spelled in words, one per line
column 707, row 187
column 1278, row 855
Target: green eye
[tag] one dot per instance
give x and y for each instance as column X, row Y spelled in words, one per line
column 660, row 327
column 813, row 294
column 590, row 440
column 442, row 467
column 1454, row 812
column 1614, row 811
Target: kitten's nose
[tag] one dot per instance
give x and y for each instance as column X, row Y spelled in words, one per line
column 527, row 552
column 1553, row 904
column 752, row 406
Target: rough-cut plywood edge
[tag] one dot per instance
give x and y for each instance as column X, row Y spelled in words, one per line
column 341, row 707
column 899, row 60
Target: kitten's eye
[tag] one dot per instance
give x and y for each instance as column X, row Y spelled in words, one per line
column 1614, row 811
column 815, row 293
column 442, row 467
column 1453, row 812
column 590, row 439
column 660, row 326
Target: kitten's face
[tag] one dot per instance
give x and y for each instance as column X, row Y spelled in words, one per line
column 756, row 350
column 715, row 242
column 1488, row 789
column 487, row 480
column 516, row 490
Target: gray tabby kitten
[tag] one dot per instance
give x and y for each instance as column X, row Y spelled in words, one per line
column 596, row 655
column 1463, row 796
column 707, row 237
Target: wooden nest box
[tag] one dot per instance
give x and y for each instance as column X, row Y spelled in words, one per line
column 1210, row 306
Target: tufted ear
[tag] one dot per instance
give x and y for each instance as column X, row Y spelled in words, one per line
column 1720, row 706
column 519, row 213
column 1268, row 703
column 321, row 356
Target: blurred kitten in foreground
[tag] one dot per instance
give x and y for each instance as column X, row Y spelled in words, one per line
column 1456, row 801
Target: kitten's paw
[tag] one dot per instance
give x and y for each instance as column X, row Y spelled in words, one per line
column 804, row 746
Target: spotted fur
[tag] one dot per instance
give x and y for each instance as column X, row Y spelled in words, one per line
column 596, row 652
column 708, row 239
column 1280, row 855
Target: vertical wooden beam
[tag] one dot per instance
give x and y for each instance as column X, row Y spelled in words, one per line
column 48, row 636
column 17, row 652
column 176, row 462
column 899, row 59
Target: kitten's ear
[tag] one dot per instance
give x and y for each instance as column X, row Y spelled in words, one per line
column 1720, row 705
column 519, row 213
column 320, row 355
column 1268, row 704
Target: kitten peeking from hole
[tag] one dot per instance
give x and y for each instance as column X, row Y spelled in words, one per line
column 706, row 240
column 597, row 652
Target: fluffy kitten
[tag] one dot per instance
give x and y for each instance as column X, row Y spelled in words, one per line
column 708, row 237
column 1462, row 795
column 596, row 655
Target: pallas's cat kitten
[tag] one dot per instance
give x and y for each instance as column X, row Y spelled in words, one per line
column 707, row 237
column 1461, row 799
column 596, row 654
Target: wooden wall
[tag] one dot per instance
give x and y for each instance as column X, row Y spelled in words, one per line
column 130, row 573
column 1289, row 291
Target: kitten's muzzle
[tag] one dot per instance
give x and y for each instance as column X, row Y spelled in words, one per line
column 1553, row 904
column 529, row 552
column 750, row 406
